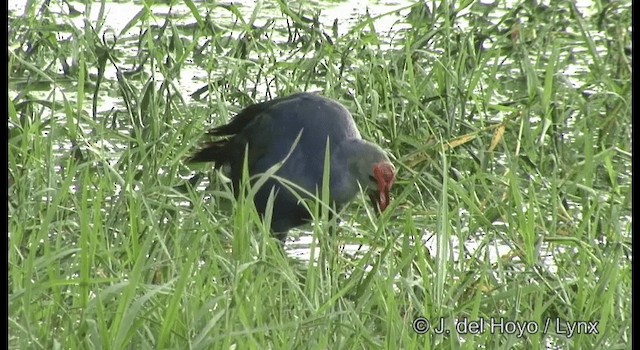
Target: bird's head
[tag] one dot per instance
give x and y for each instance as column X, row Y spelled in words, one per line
column 370, row 167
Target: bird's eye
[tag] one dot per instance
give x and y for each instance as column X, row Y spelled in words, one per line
column 373, row 179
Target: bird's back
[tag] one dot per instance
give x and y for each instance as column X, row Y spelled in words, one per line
column 315, row 119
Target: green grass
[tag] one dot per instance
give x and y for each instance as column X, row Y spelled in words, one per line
column 509, row 126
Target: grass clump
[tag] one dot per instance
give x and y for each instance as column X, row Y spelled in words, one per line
column 509, row 125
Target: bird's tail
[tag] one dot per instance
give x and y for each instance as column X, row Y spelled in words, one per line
column 211, row 152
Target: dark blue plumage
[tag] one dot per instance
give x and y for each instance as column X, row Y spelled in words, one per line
column 271, row 128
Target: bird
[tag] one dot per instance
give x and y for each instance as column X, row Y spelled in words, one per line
column 294, row 130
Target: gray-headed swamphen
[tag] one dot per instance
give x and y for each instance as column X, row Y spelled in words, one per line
column 270, row 129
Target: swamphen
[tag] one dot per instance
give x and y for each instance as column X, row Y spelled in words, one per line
column 270, row 129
